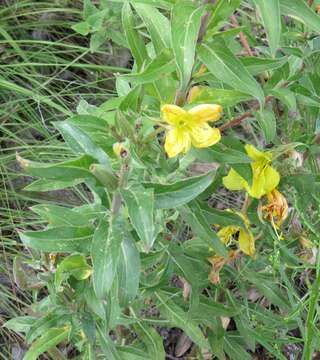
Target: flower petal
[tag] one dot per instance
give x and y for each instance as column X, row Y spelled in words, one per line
column 246, row 242
column 256, row 154
column 172, row 114
column 204, row 135
column 233, row 181
column 177, row 141
column 272, row 179
column 226, row 233
column 206, row 112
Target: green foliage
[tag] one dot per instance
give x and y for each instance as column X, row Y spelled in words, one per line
column 159, row 241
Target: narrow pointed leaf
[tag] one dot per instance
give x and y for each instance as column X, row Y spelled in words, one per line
column 181, row 192
column 140, row 204
column 271, row 19
column 222, row 63
column 186, row 20
column 105, row 253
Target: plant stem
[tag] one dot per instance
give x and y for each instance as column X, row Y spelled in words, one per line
column 308, row 351
column 242, row 37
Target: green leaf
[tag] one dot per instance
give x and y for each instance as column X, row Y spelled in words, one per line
column 299, row 10
column 97, row 40
column 271, row 19
column 222, row 97
column 268, row 124
column 181, row 192
column 177, row 317
column 221, row 154
column 286, row 96
column 134, row 40
column 157, row 24
column 186, row 20
column 269, row 289
column 128, row 271
column 257, row 65
column 64, row 171
column 194, row 217
column 226, row 67
column 81, row 143
column 59, row 239
column 73, row 265
column 62, row 216
column 48, row 340
column 195, row 271
column 107, row 346
column 51, row 185
column 82, row 28
column 20, row 323
column 234, row 349
column 220, row 217
column 105, row 253
column 140, row 204
column 160, row 66
column 221, row 12
column 152, row 341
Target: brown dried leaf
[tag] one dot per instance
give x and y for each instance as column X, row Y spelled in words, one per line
column 183, row 345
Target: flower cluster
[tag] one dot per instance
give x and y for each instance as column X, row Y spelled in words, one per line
column 187, row 128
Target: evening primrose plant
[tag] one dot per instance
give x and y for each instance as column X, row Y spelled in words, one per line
column 188, row 203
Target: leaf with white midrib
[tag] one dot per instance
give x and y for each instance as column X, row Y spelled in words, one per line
column 187, row 17
column 222, row 63
column 140, row 204
column 168, row 196
column 192, row 330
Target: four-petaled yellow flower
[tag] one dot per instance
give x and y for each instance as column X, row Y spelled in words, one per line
column 244, row 235
column 265, row 178
column 190, row 127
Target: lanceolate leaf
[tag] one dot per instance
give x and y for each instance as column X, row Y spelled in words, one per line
column 222, row 154
column 81, row 143
column 128, row 271
column 222, row 63
column 60, row 239
column 157, row 24
column 160, row 66
column 223, row 97
column 140, row 204
column 48, row 340
column 186, row 20
column 200, row 226
column 177, row 317
column 181, row 192
column 256, row 65
column 65, row 171
column 134, row 39
column 271, row 18
column 105, row 253
column 268, row 124
column 152, row 340
column 299, row 10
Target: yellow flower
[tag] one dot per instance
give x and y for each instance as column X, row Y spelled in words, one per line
column 190, row 127
column 265, row 177
column 245, row 236
column 277, row 207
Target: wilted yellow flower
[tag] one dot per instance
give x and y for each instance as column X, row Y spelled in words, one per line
column 276, row 210
column 190, row 127
column 265, row 177
column 218, row 263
